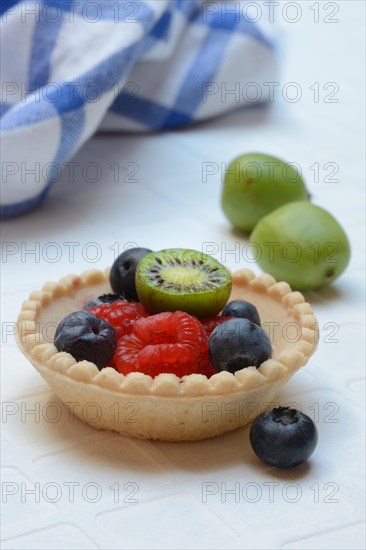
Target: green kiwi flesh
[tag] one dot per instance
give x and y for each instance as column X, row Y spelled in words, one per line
column 179, row 279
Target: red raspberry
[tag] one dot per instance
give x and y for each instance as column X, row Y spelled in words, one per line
column 172, row 342
column 206, row 368
column 212, row 322
column 120, row 314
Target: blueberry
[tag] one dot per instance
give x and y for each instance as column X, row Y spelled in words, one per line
column 238, row 343
column 243, row 309
column 86, row 337
column 283, row 437
column 104, row 299
column 122, row 276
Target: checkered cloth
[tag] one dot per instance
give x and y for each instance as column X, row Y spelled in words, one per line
column 70, row 67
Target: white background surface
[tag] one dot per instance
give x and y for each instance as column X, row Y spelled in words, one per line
column 319, row 505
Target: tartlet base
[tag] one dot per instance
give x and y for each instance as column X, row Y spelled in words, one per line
column 167, row 407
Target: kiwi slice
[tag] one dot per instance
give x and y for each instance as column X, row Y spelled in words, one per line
column 182, row 279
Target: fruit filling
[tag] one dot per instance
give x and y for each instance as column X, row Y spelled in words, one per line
column 212, row 322
column 87, row 338
column 181, row 279
column 166, row 342
column 137, row 337
column 120, row 314
column 123, row 271
column 237, row 344
column 104, row 299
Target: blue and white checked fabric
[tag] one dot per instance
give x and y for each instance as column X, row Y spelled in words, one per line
column 70, row 67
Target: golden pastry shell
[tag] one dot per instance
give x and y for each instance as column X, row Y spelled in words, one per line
column 167, row 407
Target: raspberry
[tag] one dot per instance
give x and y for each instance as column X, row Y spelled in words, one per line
column 172, row 342
column 211, row 323
column 206, row 368
column 120, row 314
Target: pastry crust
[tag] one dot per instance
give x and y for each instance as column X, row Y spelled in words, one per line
column 167, row 407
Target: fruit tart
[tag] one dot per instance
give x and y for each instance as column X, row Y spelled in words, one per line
column 167, row 345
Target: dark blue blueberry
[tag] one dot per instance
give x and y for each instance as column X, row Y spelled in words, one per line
column 283, row 437
column 238, row 343
column 122, row 276
column 86, row 337
column 243, row 309
column 104, row 299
